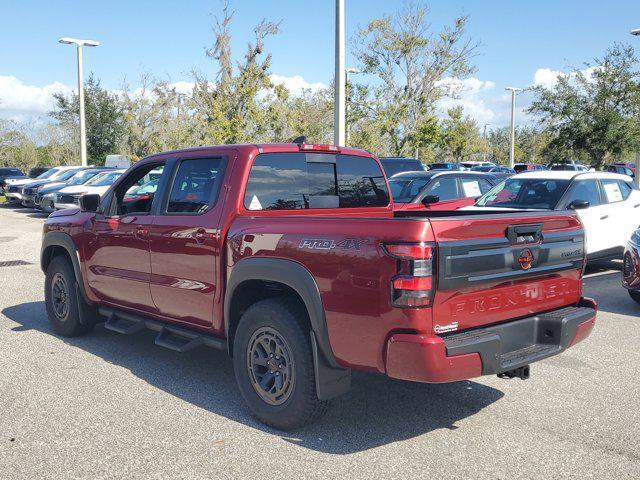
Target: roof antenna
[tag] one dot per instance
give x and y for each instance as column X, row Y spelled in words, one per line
column 300, row 140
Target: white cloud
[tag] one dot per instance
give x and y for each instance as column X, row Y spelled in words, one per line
column 476, row 96
column 296, row 84
column 547, row 78
column 19, row 101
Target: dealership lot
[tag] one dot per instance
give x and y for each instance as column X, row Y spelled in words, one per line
column 106, row 406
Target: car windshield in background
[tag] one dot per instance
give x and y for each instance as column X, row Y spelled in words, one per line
column 535, row 193
column 405, row 189
column 444, row 166
column 104, row 179
column 66, row 175
column 391, row 167
column 81, row 177
column 48, row 173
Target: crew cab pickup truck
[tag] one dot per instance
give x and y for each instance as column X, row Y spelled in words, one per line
column 291, row 258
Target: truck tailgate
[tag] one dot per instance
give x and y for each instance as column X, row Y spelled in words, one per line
column 503, row 266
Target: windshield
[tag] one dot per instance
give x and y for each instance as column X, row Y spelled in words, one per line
column 104, row 179
column 391, row 167
column 444, row 166
column 404, row 190
column 65, row 175
column 144, row 189
column 48, row 173
column 81, row 177
column 538, row 193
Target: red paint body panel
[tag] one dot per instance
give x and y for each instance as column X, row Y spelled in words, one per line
column 177, row 271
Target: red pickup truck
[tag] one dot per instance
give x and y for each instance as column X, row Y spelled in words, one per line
column 291, row 258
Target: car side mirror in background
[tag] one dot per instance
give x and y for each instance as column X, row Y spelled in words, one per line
column 90, row 202
column 430, row 199
column 578, row 205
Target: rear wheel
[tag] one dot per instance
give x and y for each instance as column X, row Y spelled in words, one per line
column 635, row 295
column 62, row 302
column 273, row 365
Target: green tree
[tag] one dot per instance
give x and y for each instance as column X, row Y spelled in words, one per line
column 594, row 111
column 103, row 113
column 411, row 63
column 460, row 137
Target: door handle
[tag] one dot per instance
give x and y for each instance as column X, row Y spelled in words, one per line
column 604, row 217
column 202, row 235
column 636, row 205
column 141, row 233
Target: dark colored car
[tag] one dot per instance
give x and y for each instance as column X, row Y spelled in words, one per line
column 569, row 167
column 445, row 166
column 498, row 171
column 393, row 165
column 528, row 167
column 631, row 267
column 290, row 258
column 438, row 190
column 8, row 172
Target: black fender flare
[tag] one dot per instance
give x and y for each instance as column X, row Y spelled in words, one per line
column 331, row 379
column 63, row 240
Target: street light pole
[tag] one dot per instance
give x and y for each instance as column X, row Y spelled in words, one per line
column 636, row 177
column 484, row 137
column 347, row 71
column 83, row 131
column 339, row 107
column 514, row 91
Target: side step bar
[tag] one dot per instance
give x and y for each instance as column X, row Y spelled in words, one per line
column 169, row 336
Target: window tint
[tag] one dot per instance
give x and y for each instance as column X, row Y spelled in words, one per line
column 295, row 181
column 445, row 188
column 391, row 167
column 123, row 202
column 615, row 190
column 586, row 190
column 195, row 186
column 525, row 193
column 404, row 190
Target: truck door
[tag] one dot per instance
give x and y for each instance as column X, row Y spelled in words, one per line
column 185, row 240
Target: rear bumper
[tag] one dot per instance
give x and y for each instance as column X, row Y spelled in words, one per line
column 489, row 350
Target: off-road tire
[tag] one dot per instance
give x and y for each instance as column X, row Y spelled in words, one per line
column 61, row 281
column 281, row 318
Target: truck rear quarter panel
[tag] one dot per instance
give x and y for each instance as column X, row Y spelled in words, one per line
column 352, row 272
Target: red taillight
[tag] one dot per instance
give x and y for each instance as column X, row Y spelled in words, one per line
column 414, row 284
column 316, row 147
column 410, row 251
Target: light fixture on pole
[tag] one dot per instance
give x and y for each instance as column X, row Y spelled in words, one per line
column 348, row 71
column 79, row 43
column 512, row 151
column 339, row 107
column 484, row 137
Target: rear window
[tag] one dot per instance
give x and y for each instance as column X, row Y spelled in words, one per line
column 525, row 193
column 298, row 181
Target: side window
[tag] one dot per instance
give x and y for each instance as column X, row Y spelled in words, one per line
column 125, row 200
column 195, row 186
column 445, row 188
column 625, row 189
column 297, row 181
column 613, row 191
column 485, row 186
column 471, row 187
column 586, row 190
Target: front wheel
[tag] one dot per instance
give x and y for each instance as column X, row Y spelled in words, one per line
column 273, row 364
column 61, row 299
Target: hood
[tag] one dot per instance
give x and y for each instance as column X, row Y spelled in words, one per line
column 36, row 183
column 84, row 189
column 65, row 212
column 19, row 182
column 53, row 187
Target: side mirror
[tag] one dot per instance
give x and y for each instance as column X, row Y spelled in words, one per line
column 578, row 205
column 90, row 202
column 430, row 199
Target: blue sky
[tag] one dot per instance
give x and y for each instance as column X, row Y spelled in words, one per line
column 168, row 39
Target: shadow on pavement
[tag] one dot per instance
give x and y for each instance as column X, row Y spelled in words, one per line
column 377, row 411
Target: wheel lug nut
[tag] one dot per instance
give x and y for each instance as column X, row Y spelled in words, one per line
column 277, row 373
column 280, row 366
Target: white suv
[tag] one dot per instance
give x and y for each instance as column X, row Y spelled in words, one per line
column 607, row 204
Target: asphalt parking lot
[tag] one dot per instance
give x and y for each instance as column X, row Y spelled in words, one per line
column 110, row 406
